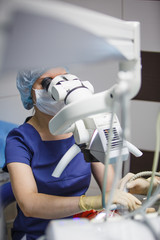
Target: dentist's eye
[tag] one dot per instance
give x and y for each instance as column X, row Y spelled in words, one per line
column 46, row 82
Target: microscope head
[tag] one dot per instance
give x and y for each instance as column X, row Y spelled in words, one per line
column 68, row 88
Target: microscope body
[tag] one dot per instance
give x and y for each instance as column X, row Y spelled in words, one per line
column 89, row 130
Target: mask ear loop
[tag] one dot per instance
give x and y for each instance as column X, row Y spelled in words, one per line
column 34, row 100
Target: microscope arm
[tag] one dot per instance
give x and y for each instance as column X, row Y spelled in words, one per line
column 65, row 160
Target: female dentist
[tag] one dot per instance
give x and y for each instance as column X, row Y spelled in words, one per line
column 32, row 153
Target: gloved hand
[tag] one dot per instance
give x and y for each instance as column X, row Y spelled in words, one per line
column 87, row 203
column 137, row 186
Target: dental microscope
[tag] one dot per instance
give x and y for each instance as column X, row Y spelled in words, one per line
column 87, row 120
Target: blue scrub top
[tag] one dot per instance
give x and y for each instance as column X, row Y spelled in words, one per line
column 25, row 145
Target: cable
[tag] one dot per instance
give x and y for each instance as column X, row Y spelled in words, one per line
column 118, row 169
column 156, row 155
column 106, row 163
column 151, row 199
column 144, row 174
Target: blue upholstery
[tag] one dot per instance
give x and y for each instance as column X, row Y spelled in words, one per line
column 6, row 194
column 5, row 128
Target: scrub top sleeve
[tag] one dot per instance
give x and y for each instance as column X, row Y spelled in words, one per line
column 16, row 150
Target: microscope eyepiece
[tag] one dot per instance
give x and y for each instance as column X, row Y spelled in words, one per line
column 46, row 82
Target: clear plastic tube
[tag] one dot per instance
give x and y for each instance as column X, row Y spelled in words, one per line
column 150, row 199
column 107, row 160
column 118, row 169
column 156, row 155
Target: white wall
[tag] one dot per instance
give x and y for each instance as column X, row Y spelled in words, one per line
column 148, row 14
column 11, row 108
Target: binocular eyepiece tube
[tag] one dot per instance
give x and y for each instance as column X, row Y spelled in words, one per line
column 67, row 88
column 46, row 82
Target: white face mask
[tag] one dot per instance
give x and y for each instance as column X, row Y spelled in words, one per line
column 46, row 104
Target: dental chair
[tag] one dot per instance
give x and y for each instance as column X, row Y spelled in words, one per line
column 8, row 210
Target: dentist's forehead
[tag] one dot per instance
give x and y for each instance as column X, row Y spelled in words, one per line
column 53, row 72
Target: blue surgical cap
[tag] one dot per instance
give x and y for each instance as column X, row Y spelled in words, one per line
column 25, row 81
